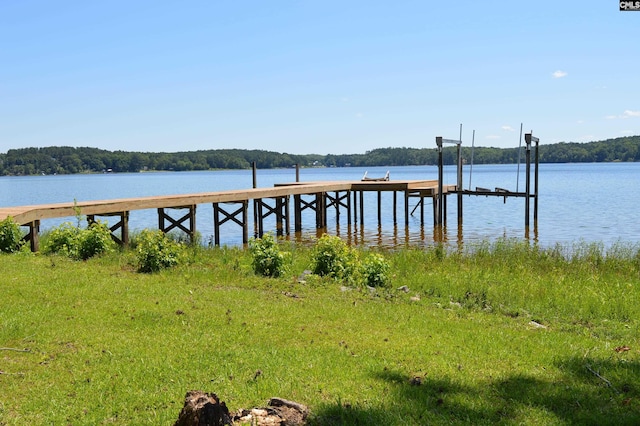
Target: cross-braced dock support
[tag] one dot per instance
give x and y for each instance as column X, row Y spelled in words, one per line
column 190, row 216
column 242, row 211
column 338, row 201
column 280, row 210
column 122, row 225
column 316, row 204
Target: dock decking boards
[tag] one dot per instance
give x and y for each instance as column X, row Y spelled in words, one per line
column 267, row 203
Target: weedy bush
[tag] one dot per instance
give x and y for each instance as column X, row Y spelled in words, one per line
column 62, row 240
column 375, row 270
column 94, row 240
column 267, row 259
column 156, row 251
column 10, row 236
column 334, row 258
column 78, row 243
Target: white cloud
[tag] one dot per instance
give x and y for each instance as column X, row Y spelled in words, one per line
column 626, row 132
column 492, row 137
column 580, row 121
column 559, row 74
column 359, row 115
column 508, row 128
column 626, row 114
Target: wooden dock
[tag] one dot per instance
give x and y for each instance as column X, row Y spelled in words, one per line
column 345, row 197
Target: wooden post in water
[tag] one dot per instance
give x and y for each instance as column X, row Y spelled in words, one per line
column 297, row 213
column 297, row 172
column 287, row 217
column 459, row 184
column 278, row 211
column 320, row 214
column 434, row 202
column 395, row 207
column 535, row 198
column 438, row 219
column 442, row 213
column 379, row 208
column 362, row 208
column 245, row 222
column 348, row 207
column 527, row 139
column 406, row 208
column 256, row 231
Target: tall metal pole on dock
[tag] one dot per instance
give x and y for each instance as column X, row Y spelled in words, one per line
column 519, row 155
column 473, row 141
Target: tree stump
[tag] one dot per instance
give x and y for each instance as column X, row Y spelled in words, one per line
column 203, row 409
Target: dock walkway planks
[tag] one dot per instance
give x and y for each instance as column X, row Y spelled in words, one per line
column 32, row 215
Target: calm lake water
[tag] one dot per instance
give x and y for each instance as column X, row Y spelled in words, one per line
column 578, row 202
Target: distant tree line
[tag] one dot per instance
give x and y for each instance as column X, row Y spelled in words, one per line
column 69, row 160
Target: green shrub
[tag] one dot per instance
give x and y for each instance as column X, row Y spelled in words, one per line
column 267, row 260
column 156, row 251
column 94, row 240
column 10, row 236
column 375, row 270
column 334, row 258
column 63, row 240
column 77, row 243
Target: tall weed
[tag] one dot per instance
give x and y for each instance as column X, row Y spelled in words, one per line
column 267, row 259
column 332, row 257
column 156, row 251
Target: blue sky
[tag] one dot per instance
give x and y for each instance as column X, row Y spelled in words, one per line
column 311, row 76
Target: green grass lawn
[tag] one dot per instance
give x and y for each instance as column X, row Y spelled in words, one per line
column 507, row 335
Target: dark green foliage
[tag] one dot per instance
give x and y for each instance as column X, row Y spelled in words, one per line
column 62, row 239
column 10, row 236
column 375, row 270
column 156, row 251
column 94, row 240
column 78, row 243
column 267, row 260
column 332, row 257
